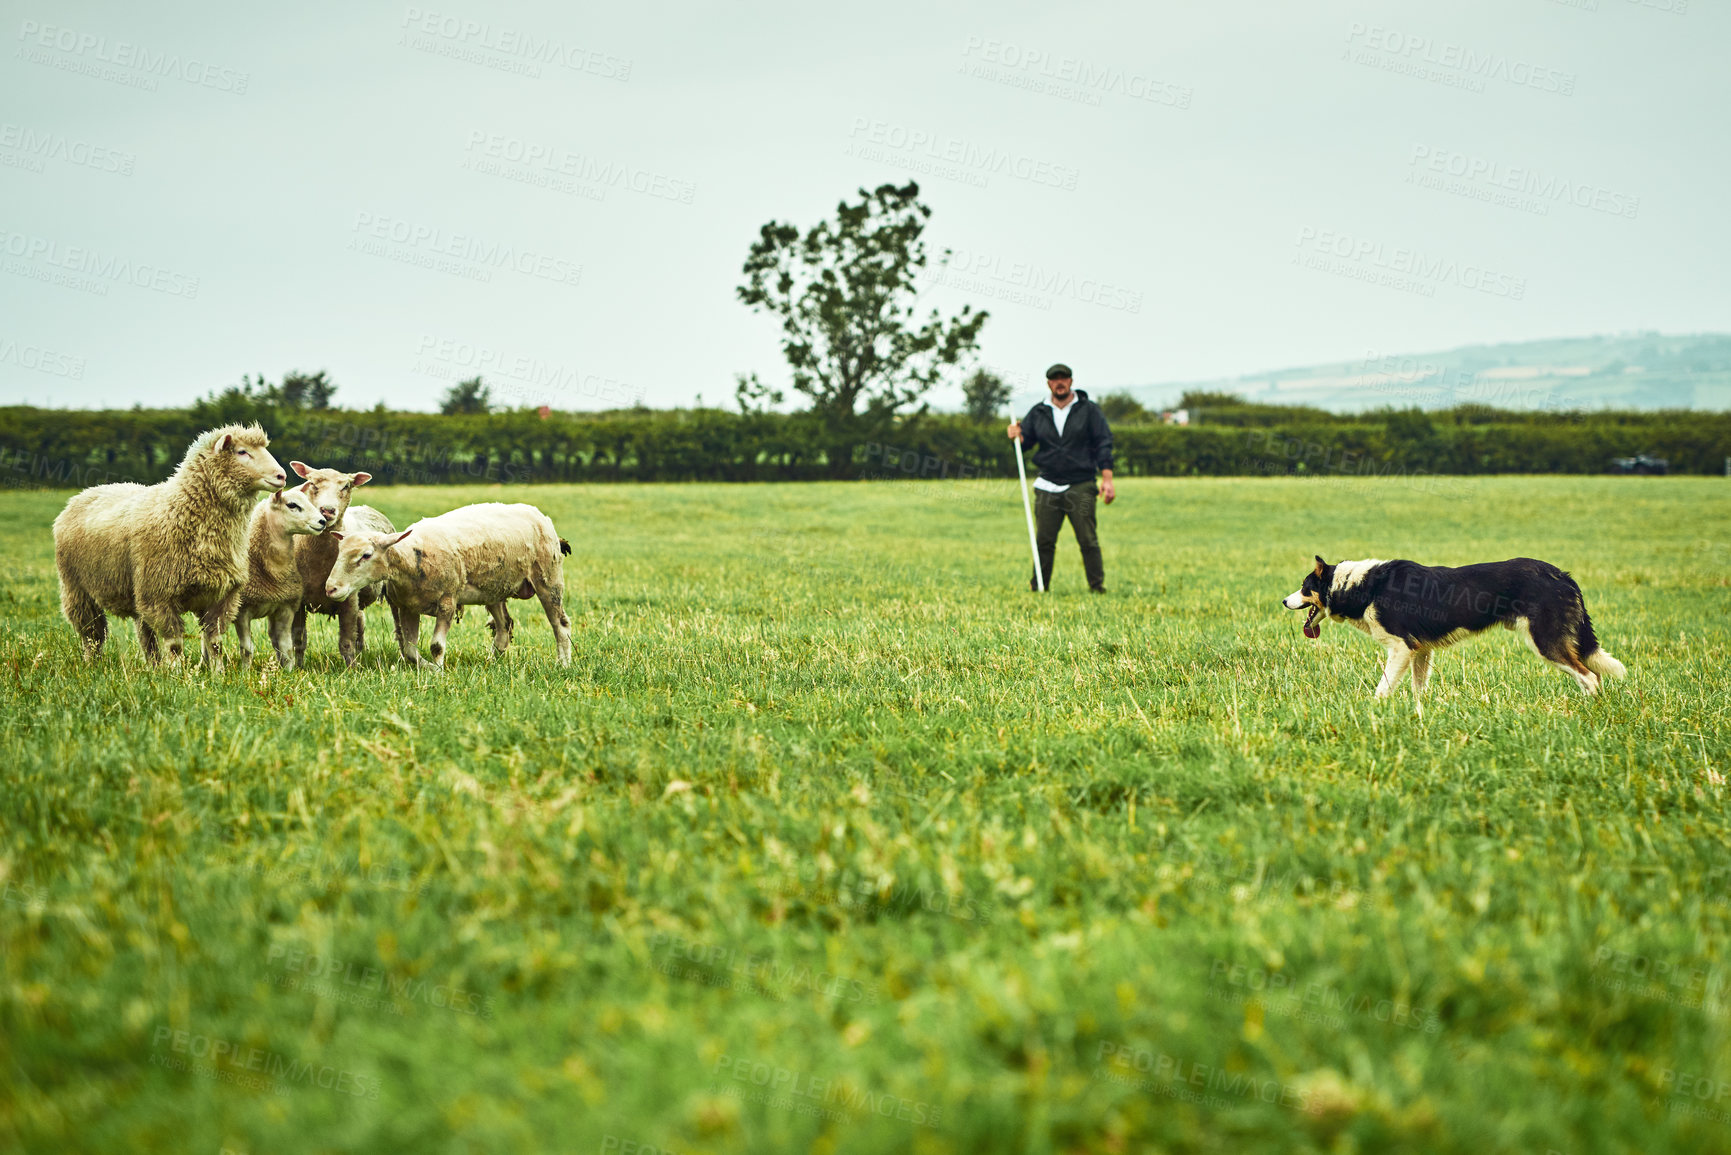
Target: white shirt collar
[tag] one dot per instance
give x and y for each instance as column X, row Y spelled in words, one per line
column 1061, row 414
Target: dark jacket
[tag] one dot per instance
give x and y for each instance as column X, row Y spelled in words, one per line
column 1083, row 450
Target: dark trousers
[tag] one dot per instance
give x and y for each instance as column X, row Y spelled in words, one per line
column 1077, row 504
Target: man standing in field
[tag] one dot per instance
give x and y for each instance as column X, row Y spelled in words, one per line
column 1074, row 441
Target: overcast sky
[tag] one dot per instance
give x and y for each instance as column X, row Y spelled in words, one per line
column 405, row 194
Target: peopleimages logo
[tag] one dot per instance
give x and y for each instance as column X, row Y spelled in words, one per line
column 1447, row 62
column 555, row 161
column 536, row 379
column 716, row 965
column 1283, row 993
column 436, row 30
column 39, row 146
column 88, row 262
column 1431, row 383
column 340, row 974
column 969, row 157
column 1190, row 1080
column 232, row 1062
column 26, row 356
column 20, row 894
column 1429, row 164
column 1612, row 967
column 1089, row 78
column 83, row 51
column 811, row 1095
column 1692, row 1094
column 1398, row 266
column 1047, row 282
column 461, row 253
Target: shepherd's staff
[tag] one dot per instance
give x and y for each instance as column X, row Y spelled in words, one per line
column 1033, row 545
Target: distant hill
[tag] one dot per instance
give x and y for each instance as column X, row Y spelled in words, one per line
column 1639, row 371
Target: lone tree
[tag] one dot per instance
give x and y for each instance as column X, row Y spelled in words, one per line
column 306, row 390
column 467, row 397
column 1122, row 408
column 844, row 294
column 256, row 399
column 985, row 395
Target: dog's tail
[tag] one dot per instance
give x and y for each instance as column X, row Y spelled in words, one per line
column 1595, row 659
column 564, row 547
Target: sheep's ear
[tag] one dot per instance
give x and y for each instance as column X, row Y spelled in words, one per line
column 300, row 467
column 1320, row 565
column 398, row 538
column 335, row 536
column 276, row 498
column 227, row 440
column 362, row 478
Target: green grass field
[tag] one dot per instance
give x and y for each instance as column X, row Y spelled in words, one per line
column 834, row 837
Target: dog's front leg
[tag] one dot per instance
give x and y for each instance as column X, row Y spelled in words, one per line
column 1420, row 676
column 1399, row 657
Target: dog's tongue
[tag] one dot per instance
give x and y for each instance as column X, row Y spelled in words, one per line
column 1312, row 628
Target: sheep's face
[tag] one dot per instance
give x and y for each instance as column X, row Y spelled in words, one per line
column 245, row 460
column 362, row 559
column 298, row 513
column 329, row 489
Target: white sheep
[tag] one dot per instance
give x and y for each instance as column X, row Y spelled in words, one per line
column 331, row 490
column 159, row 551
column 273, row 581
column 475, row 555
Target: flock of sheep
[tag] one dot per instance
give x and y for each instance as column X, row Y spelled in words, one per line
column 202, row 543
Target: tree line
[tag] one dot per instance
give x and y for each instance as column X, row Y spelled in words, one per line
column 72, row 448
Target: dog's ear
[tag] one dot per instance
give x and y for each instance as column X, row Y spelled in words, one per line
column 1320, row 565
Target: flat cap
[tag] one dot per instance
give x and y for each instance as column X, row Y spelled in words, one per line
column 1058, row 370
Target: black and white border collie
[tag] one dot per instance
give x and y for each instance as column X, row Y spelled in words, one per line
column 1415, row 610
